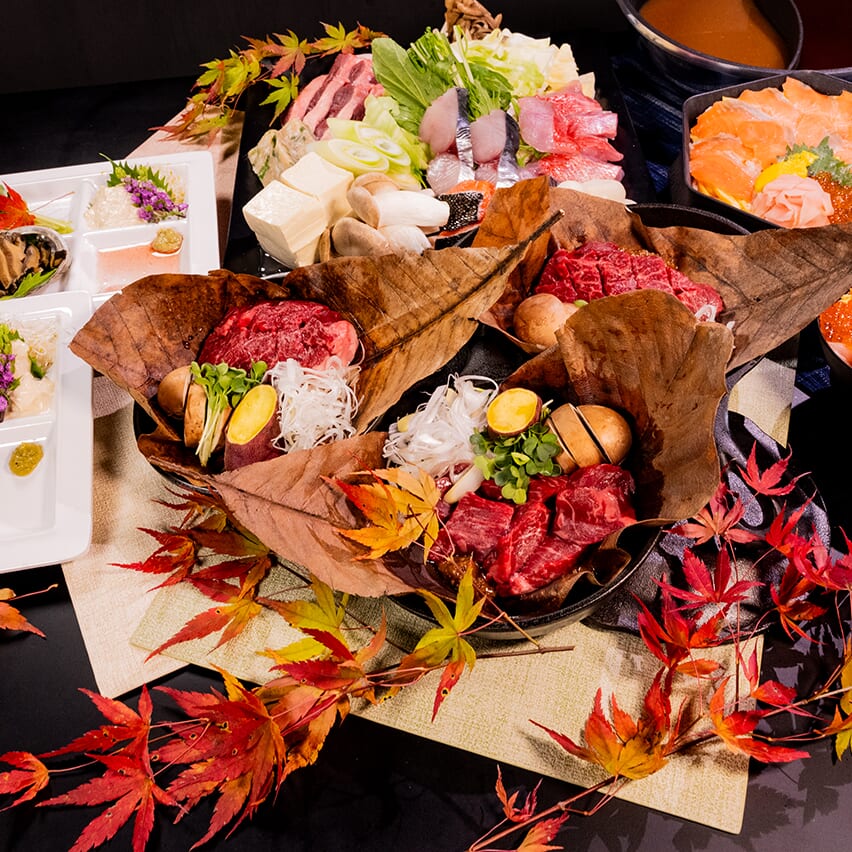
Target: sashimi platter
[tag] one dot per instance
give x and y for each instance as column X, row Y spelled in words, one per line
column 527, row 395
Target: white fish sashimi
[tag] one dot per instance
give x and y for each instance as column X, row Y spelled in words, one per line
column 444, row 172
column 488, row 136
column 438, row 125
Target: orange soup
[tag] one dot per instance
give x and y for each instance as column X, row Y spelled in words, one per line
column 735, row 30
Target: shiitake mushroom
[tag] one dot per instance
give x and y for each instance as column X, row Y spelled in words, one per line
column 589, row 434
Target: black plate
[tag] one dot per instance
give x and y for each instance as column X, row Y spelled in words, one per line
column 682, row 190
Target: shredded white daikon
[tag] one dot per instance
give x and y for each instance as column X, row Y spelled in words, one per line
column 315, row 406
column 436, row 437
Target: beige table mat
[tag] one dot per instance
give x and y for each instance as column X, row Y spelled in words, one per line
column 114, row 604
column 489, row 711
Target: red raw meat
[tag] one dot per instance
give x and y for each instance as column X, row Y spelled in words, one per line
column 552, row 558
column 308, row 332
column 518, row 545
column 474, row 527
column 556, row 277
column 598, row 269
column 594, row 503
column 340, row 93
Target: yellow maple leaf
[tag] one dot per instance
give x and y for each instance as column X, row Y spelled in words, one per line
column 401, row 508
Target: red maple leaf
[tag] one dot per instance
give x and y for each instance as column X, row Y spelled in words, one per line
column 28, row 779
column 813, row 561
column 790, row 597
column 129, row 784
column 706, row 587
column 236, row 749
column 236, row 606
column 177, row 554
column 717, row 520
column 770, row 692
column 782, row 535
column 674, row 638
column 127, row 726
column 736, row 729
column 766, row 481
column 514, row 814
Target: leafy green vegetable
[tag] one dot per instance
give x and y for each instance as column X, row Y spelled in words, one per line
column 414, row 78
column 826, row 161
column 225, row 386
column 512, row 462
column 412, row 87
column 29, row 283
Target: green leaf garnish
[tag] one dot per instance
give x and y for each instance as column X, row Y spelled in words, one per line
column 225, row 386
column 512, row 462
column 826, row 162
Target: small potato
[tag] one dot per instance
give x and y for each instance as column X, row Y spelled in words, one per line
column 538, row 317
column 171, row 394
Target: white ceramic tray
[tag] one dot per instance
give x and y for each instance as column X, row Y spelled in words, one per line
column 104, row 260
column 46, row 517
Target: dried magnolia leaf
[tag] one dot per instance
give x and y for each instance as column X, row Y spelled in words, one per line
column 158, row 323
column 646, row 355
column 773, row 282
column 413, row 312
column 289, row 506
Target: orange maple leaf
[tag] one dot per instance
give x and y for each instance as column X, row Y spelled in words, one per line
column 28, row 779
column 625, row 748
column 717, row 520
column 400, row 507
column 12, row 619
column 539, row 836
column 513, row 813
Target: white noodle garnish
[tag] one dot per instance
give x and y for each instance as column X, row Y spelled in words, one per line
column 315, row 406
column 436, row 437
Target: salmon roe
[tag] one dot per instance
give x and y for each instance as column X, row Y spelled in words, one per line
column 835, row 322
column 841, row 198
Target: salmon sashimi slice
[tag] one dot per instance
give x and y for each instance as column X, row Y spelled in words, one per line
column 723, row 167
column 766, row 138
column 773, row 103
column 807, row 99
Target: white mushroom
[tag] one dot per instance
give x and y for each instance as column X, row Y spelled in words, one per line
column 353, row 238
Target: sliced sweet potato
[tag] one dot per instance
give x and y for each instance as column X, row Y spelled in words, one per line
column 252, row 428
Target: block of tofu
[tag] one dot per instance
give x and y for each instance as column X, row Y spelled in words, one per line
column 316, row 176
column 286, row 223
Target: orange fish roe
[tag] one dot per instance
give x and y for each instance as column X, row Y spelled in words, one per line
column 841, row 198
column 835, row 322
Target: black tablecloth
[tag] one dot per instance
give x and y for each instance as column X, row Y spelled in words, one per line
column 374, row 788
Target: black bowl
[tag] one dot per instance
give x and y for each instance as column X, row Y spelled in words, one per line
column 583, row 600
column 691, row 71
column 693, row 107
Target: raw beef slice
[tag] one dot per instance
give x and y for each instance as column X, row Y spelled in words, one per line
column 307, row 332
